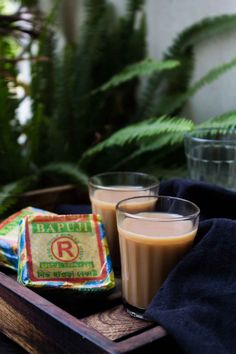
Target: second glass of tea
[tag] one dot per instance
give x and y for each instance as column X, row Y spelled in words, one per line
column 106, row 190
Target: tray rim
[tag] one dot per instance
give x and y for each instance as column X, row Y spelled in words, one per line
column 77, row 327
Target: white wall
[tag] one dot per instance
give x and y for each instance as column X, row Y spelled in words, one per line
column 166, row 18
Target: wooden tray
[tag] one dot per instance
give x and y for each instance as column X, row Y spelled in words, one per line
column 49, row 322
column 55, row 323
column 50, row 198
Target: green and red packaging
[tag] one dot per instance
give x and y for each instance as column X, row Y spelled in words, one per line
column 9, row 231
column 64, row 251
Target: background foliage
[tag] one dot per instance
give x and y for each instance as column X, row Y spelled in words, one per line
column 89, row 112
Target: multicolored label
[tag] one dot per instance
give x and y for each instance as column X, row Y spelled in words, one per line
column 9, row 232
column 65, row 249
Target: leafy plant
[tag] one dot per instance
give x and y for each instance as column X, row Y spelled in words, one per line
column 75, row 129
column 143, row 68
column 12, row 162
column 61, row 100
column 155, row 99
column 151, row 137
column 153, row 144
column 86, row 114
column 77, row 78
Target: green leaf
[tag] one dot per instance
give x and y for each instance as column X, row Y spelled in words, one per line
column 137, row 132
column 142, row 68
column 153, row 145
column 170, row 103
column 11, row 192
column 134, row 5
column 176, row 82
column 199, row 31
column 211, row 76
column 224, row 121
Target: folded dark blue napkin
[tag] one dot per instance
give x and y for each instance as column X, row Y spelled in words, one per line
column 197, row 302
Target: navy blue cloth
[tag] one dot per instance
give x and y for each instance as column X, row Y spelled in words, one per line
column 197, row 302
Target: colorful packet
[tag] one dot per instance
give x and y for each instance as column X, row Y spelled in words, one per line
column 64, row 251
column 9, row 230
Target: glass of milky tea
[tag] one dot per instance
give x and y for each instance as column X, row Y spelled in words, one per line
column 153, row 239
column 106, row 190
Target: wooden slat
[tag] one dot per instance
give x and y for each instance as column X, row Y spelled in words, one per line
column 50, row 198
column 41, row 327
column 144, row 339
column 116, row 323
column 9, row 347
column 51, row 190
column 36, row 324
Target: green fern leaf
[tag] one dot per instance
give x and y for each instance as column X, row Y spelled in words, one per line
column 212, row 75
column 143, row 68
column 137, row 132
column 224, row 121
column 160, row 142
column 134, row 5
column 11, row 192
column 163, row 143
column 200, row 31
column 173, row 102
column 177, row 81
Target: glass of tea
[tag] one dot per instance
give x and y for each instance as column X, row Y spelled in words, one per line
column 154, row 236
column 106, row 190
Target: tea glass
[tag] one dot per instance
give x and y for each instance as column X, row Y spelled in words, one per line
column 153, row 238
column 211, row 156
column 106, row 190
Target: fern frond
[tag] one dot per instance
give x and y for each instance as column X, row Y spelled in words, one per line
column 160, row 142
column 200, row 31
column 134, row 5
column 93, row 10
column 173, row 102
column 224, row 121
column 10, row 193
column 137, row 43
column 67, row 169
column 165, row 142
column 166, row 103
column 212, row 75
column 143, row 68
column 82, row 68
column 99, row 18
column 177, row 81
column 137, row 132
column 130, row 36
